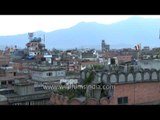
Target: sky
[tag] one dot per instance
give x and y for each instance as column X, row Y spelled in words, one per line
column 19, row 24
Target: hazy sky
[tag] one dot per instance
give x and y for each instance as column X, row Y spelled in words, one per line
column 19, row 24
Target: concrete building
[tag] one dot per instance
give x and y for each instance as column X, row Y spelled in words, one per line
column 8, row 76
column 24, row 93
column 73, row 66
column 3, row 100
column 105, row 47
column 18, row 54
column 43, row 73
column 129, row 88
column 24, row 88
column 90, row 55
column 138, row 88
column 22, row 66
column 48, row 59
column 4, row 60
column 149, row 64
column 38, row 98
column 34, row 46
column 146, row 49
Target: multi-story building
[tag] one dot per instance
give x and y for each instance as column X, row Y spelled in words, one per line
column 141, row 87
column 24, row 93
column 138, row 88
column 90, row 55
column 73, row 66
column 124, row 58
column 149, row 64
column 8, row 75
column 4, row 59
column 105, row 47
column 3, row 100
column 35, row 47
column 44, row 73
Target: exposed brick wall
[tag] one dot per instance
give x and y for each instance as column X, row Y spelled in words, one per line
column 4, row 60
column 138, row 93
column 147, row 92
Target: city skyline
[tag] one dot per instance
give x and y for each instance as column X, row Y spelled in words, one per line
column 35, row 70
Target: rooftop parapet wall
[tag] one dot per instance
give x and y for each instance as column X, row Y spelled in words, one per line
column 141, row 93
column 123, row 78
column 149, row 64
column 45, row 68
column 57, row 99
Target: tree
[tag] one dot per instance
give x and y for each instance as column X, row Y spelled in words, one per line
column 88, row 80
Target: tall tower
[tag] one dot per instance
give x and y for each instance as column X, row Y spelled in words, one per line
column 103, row 44
column 105, row 47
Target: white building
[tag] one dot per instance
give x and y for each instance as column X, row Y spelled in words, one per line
column 48, row 58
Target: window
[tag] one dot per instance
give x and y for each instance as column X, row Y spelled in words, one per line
column 10, row 82
column 3, row 83
column 62, row 72
column 123, row 100
column 14, row 73
column 112, row 61
column 49, row 74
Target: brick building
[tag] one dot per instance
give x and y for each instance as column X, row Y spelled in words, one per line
column 8, row 76
column 4, row 59
column 132, row 88
column 139, row 88
column 124, row 58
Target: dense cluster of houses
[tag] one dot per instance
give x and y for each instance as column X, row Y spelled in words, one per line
column 24, row 71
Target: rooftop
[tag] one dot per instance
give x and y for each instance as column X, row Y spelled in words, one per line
column 24, row 83
column 3, row 98
column 13, row 77
column 45, row 68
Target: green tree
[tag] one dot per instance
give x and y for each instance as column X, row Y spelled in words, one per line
column 88, row 80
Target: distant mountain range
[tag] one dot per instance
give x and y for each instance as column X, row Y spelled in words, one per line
column 123, row 34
